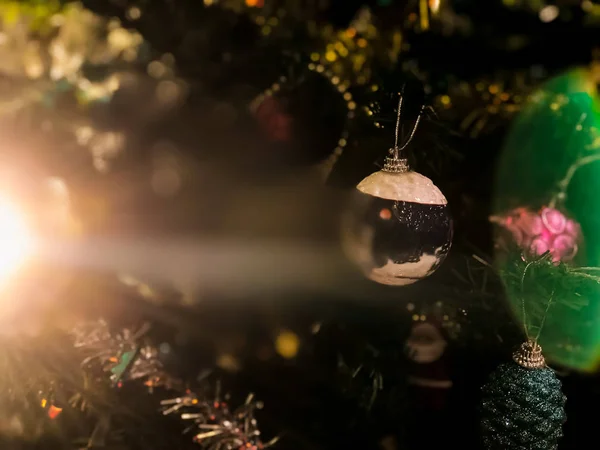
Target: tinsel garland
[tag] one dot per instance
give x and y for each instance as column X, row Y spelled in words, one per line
column 125, row 356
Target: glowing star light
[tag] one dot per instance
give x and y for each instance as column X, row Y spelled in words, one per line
column 15, row 240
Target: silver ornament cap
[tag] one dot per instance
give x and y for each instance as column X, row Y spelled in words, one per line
column 395, row 164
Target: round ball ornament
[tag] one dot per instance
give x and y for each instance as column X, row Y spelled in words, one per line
column 399, row 230
column 549, row 170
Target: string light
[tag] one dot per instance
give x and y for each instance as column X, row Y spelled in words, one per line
column 496, row 99
column 342, row 87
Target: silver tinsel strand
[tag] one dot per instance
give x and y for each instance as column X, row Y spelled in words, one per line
column 124, row 357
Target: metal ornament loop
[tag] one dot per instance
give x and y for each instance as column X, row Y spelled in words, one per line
column 395, row 164
column 530, row 355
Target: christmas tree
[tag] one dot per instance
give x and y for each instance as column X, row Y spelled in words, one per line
column 248, row 224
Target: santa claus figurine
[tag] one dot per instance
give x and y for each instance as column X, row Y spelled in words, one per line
column 426, row 349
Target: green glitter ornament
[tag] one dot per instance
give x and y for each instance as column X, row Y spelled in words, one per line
column 551, row 158
column 523, row 405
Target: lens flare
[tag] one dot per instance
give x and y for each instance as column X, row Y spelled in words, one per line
column 15, row 240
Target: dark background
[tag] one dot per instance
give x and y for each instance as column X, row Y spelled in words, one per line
column 240, row 186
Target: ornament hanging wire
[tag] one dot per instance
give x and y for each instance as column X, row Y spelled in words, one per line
column 524, row 312
column 529, row 355
column 395, row 164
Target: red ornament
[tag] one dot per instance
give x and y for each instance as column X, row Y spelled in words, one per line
column 54, row 412
column 274, row 121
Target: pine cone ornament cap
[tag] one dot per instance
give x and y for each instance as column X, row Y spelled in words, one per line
column 530, row 356
column 523, row 409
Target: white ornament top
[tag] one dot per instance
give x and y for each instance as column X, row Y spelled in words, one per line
column 406, row 186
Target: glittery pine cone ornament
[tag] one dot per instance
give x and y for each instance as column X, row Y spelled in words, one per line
column 523, row 405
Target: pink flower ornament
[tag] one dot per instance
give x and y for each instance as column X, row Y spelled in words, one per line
column 546, row 231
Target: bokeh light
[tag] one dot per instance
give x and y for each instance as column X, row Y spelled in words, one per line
column 287, row 344
column 549, row 13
